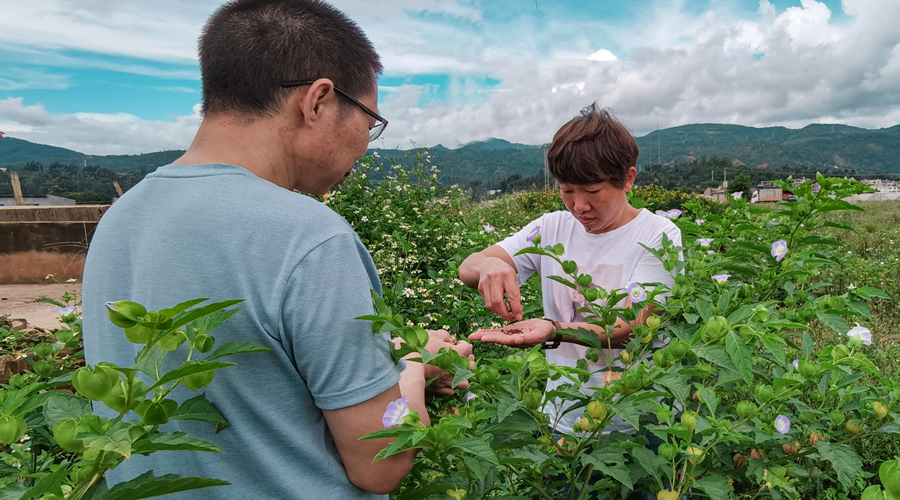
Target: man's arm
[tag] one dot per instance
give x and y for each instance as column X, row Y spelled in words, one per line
column 347, row 425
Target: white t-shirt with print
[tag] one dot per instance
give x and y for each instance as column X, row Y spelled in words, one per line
column 613, row 259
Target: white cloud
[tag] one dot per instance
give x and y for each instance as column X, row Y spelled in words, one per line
column 603, row 55
column 96, row 133
column 667, row 64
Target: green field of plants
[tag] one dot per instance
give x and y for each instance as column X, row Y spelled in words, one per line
column 779, row 377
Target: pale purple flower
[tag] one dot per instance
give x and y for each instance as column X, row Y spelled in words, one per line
column 861, row 332
column 699, row 221
column 674, row 213
column 779, row 250
column 782, row 424
column 710, row 252
column 533, row 234
column 704, row 242
column 662, row 213
column 489, row 228
column 395, row 413
column 721, row 278
column 737, row 194
column 796, row 364
column 65, row 310
column 636, row 293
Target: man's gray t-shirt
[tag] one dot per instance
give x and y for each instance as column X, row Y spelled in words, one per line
column 219, row 231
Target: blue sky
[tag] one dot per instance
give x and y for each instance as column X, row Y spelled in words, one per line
column 121, row 77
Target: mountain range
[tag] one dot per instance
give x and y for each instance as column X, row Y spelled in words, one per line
column 814, row 146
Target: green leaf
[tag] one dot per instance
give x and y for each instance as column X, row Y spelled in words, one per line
column 610, row 462
column 740, row 354
column 183, row 371
column 808, row 346
column 677, row 384
column 476, row 468
column 209, row 323
column 478, row 447
column 233, row 347
column 180, row 308
column 583, row 335
column 773, row 346
column 564, row 282
column 868, row 292
column 714, row 486
column 709, row 398
column 507, row 404
column 200, row 409
column 834, row 322
column 118, row 441
column 51, row 484
column 843, row 459
column 152, row 362
column 201, row 312
column 691, row 318
column 171, row 441
column 655, row 465
column 704, row 308
column 717, row 356
column 148, row 486
column 59, row 408
column 33, row 402
column 740, row 314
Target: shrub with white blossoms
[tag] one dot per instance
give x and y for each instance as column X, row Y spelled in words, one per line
column 745, row 402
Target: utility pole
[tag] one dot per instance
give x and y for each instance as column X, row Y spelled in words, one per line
column 725, row 179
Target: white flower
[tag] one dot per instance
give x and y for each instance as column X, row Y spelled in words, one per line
column 71, row 280
column 721, row 278
column 395, row 412
column 704, row 242
column 737, row 194
column 779, row 250
column 862, row 332
column 636, row 293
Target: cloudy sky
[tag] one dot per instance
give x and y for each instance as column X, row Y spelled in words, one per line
column 121, row 77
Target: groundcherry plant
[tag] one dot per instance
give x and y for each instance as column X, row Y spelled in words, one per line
column 78, row 447
column 748, row 381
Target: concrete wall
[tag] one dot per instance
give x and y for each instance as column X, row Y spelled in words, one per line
column 36, row 241
column 73, row 213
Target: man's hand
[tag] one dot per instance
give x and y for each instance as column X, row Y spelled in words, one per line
column 497, row 283
column 523, row 334
column 442, row 384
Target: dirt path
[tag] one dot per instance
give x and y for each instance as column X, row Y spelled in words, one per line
column 18, row 302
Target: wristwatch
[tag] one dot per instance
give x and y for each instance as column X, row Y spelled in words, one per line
column 553, row 343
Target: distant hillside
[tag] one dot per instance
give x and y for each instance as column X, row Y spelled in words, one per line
column 14, row 151
column 813, row 147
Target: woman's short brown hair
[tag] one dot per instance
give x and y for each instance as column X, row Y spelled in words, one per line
column 592, row 148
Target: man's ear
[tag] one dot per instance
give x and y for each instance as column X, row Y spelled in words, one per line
column 311, row 104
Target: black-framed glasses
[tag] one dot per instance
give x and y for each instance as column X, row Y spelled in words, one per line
column 380, row 123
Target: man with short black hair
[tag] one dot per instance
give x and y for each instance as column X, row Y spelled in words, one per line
column 290, row 100
column 592, row 157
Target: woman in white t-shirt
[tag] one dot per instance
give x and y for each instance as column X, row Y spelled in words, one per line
column 592, row 157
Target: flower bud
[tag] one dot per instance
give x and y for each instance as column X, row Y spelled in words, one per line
column 760, row 313
column 94, row 383
column 533, row 399
column 745, row 409
column 12, row 428
column 667, row 451
column 854, row 428
column 814, row 437
column 764, row 393
column 678, row 349
column 597, row 410
column 660, row 359
column 124, row 313
column 740, row 461
column 717, row 326
column 695, row 453
column 757, row 454
column 569, row 267
column 44, row 367
column 808, row 368
column 791, row 449
column 64, row 433
column 667, row 495
column 689, row 420
column 653, row 321
column 790, row 301
column 836, row 417
column 880, row 409
column 584, row 280
column 626, row 356
column 584, row 423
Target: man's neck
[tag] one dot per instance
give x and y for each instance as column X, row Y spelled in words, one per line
column 222, row 140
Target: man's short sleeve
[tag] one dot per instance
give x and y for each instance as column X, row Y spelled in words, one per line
column 529, row 263
column 342, row 362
